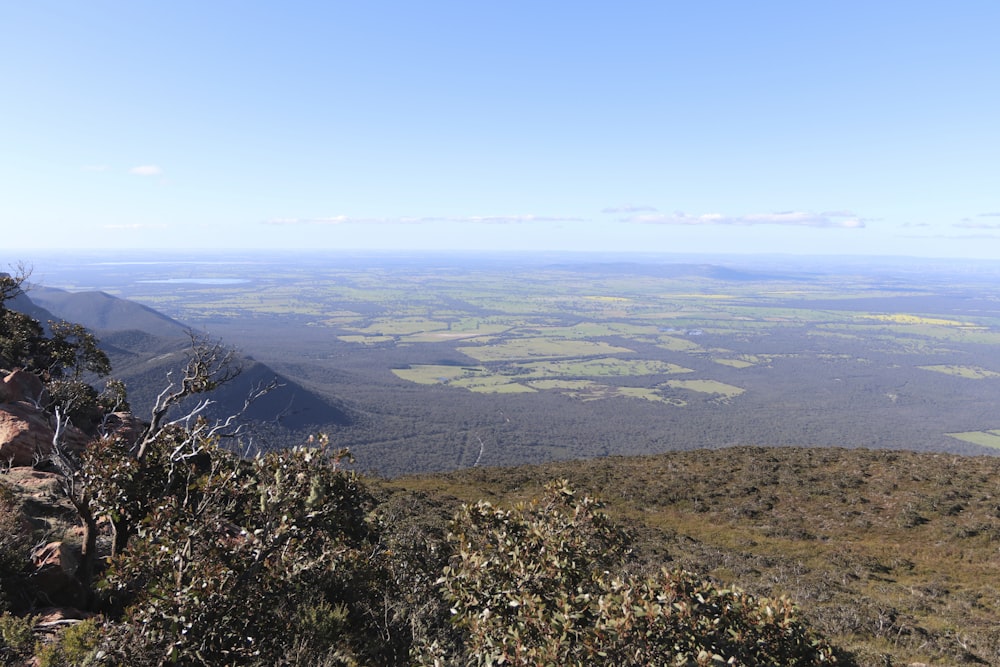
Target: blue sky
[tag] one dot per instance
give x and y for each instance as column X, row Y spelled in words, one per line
column 795, row 127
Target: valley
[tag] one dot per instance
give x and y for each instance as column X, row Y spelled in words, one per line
column 443, row 361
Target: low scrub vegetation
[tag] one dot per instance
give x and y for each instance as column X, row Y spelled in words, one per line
column 288, row 558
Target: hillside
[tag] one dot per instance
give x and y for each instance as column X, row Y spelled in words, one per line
column 100, row 312
column 892, row 555
column 145, row 345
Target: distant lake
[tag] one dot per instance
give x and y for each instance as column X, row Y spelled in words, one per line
column 197, row 281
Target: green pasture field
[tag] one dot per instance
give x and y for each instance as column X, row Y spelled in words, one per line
column 585, row 390
column 602, row 367
column 437, row 373
column 530, row 377
column 675, row 344
column 969, row 372
column 982, row 438
column 539, row 348
column 598, row 329
column 400, row 326
column 492, row 384
column 707, row 387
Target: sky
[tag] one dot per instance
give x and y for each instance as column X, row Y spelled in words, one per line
column 846, row 127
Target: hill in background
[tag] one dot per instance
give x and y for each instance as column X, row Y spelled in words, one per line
column 145, row 345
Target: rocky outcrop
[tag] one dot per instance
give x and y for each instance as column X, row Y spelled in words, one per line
column 26, row 435
column 25, row 429
column 22, row 386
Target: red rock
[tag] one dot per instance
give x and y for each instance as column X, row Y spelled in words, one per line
column 22, row 385
column 26, row 436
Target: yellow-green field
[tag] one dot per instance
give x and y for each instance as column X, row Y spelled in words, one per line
column 904, row 318
column 675, row 344
column 981, row 438
column 437, row 373
column 602, row 367
column 707, row 387
column 539, row 348
column 969, row 372
column 743, row 360
column 586, row 390
column 491, row 384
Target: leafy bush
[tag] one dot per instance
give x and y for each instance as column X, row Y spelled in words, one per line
column 76, row 646
column 534, row 585
column 16, row 637
column 15, row 545
column 230, row 559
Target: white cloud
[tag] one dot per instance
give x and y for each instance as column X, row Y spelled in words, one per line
column 628, row 208
column 841, row 219
column 968, row 224
column 333, row 220
column 410, row 220
column 146, row 170
column 511, row 219
column 133, row 227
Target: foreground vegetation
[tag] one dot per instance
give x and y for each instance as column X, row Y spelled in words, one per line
column 891, row 555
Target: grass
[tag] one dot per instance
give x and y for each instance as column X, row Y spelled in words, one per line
column 491, row 384
column 601, row 367
column 969, row 372
column 586, row 390
column 707, row 387
column 436, row 373
column 981, row 438
column 743, row 360
column 675, row 344
column 904, row 318
column 542, row 347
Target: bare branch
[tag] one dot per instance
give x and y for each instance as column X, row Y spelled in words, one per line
column 12, row 284
column 209, row 365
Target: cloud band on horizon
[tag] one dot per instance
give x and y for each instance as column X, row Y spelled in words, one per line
column 830, row 219
column 473, row 219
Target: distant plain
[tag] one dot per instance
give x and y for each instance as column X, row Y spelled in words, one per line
column 453, row 360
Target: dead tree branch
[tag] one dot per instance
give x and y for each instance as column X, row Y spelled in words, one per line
column 209, row 365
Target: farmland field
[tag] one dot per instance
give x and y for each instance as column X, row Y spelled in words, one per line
column 566, row 356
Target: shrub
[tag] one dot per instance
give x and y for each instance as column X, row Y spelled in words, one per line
column 76, row 646
column 534, row 586
column 16, row 637
column 15, row 545
column 232, row 559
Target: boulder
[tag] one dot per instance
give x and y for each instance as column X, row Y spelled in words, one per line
column 22, row 385
column 26, row 435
